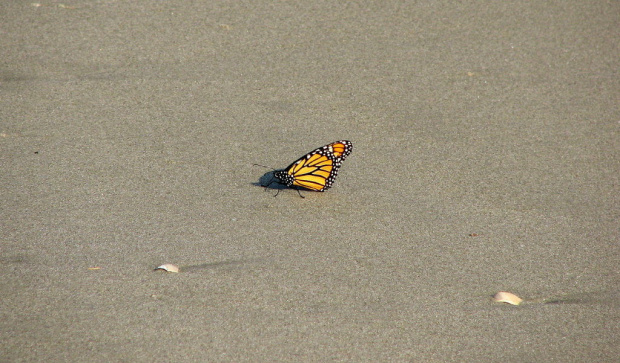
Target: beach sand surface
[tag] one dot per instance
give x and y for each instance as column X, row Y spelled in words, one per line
column 486, row 158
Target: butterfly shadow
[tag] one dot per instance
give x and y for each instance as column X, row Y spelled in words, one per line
column 270, row 182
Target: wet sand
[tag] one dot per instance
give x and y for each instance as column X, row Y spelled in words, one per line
column 486, row 158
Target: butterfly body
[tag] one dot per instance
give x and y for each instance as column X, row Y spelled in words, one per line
column 318, row 169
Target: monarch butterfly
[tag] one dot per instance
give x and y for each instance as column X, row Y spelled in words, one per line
column 317, row 169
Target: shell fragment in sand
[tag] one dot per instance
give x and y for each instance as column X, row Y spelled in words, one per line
column 507, row 297
column 168, row 267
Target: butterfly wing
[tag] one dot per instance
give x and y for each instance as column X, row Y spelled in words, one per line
column 316, row 170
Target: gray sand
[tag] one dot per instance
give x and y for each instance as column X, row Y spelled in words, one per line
column 486, row 158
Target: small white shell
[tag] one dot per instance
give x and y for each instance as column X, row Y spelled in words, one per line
column 507, row 297
column 168, row 267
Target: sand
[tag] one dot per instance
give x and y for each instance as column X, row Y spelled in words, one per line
column 486, row 158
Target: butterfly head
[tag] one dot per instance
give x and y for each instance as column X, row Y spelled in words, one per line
column 284, row 177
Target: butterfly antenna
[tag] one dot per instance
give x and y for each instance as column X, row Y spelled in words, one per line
column 267, row 167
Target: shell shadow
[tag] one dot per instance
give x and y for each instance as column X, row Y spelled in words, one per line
column 227, row 264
